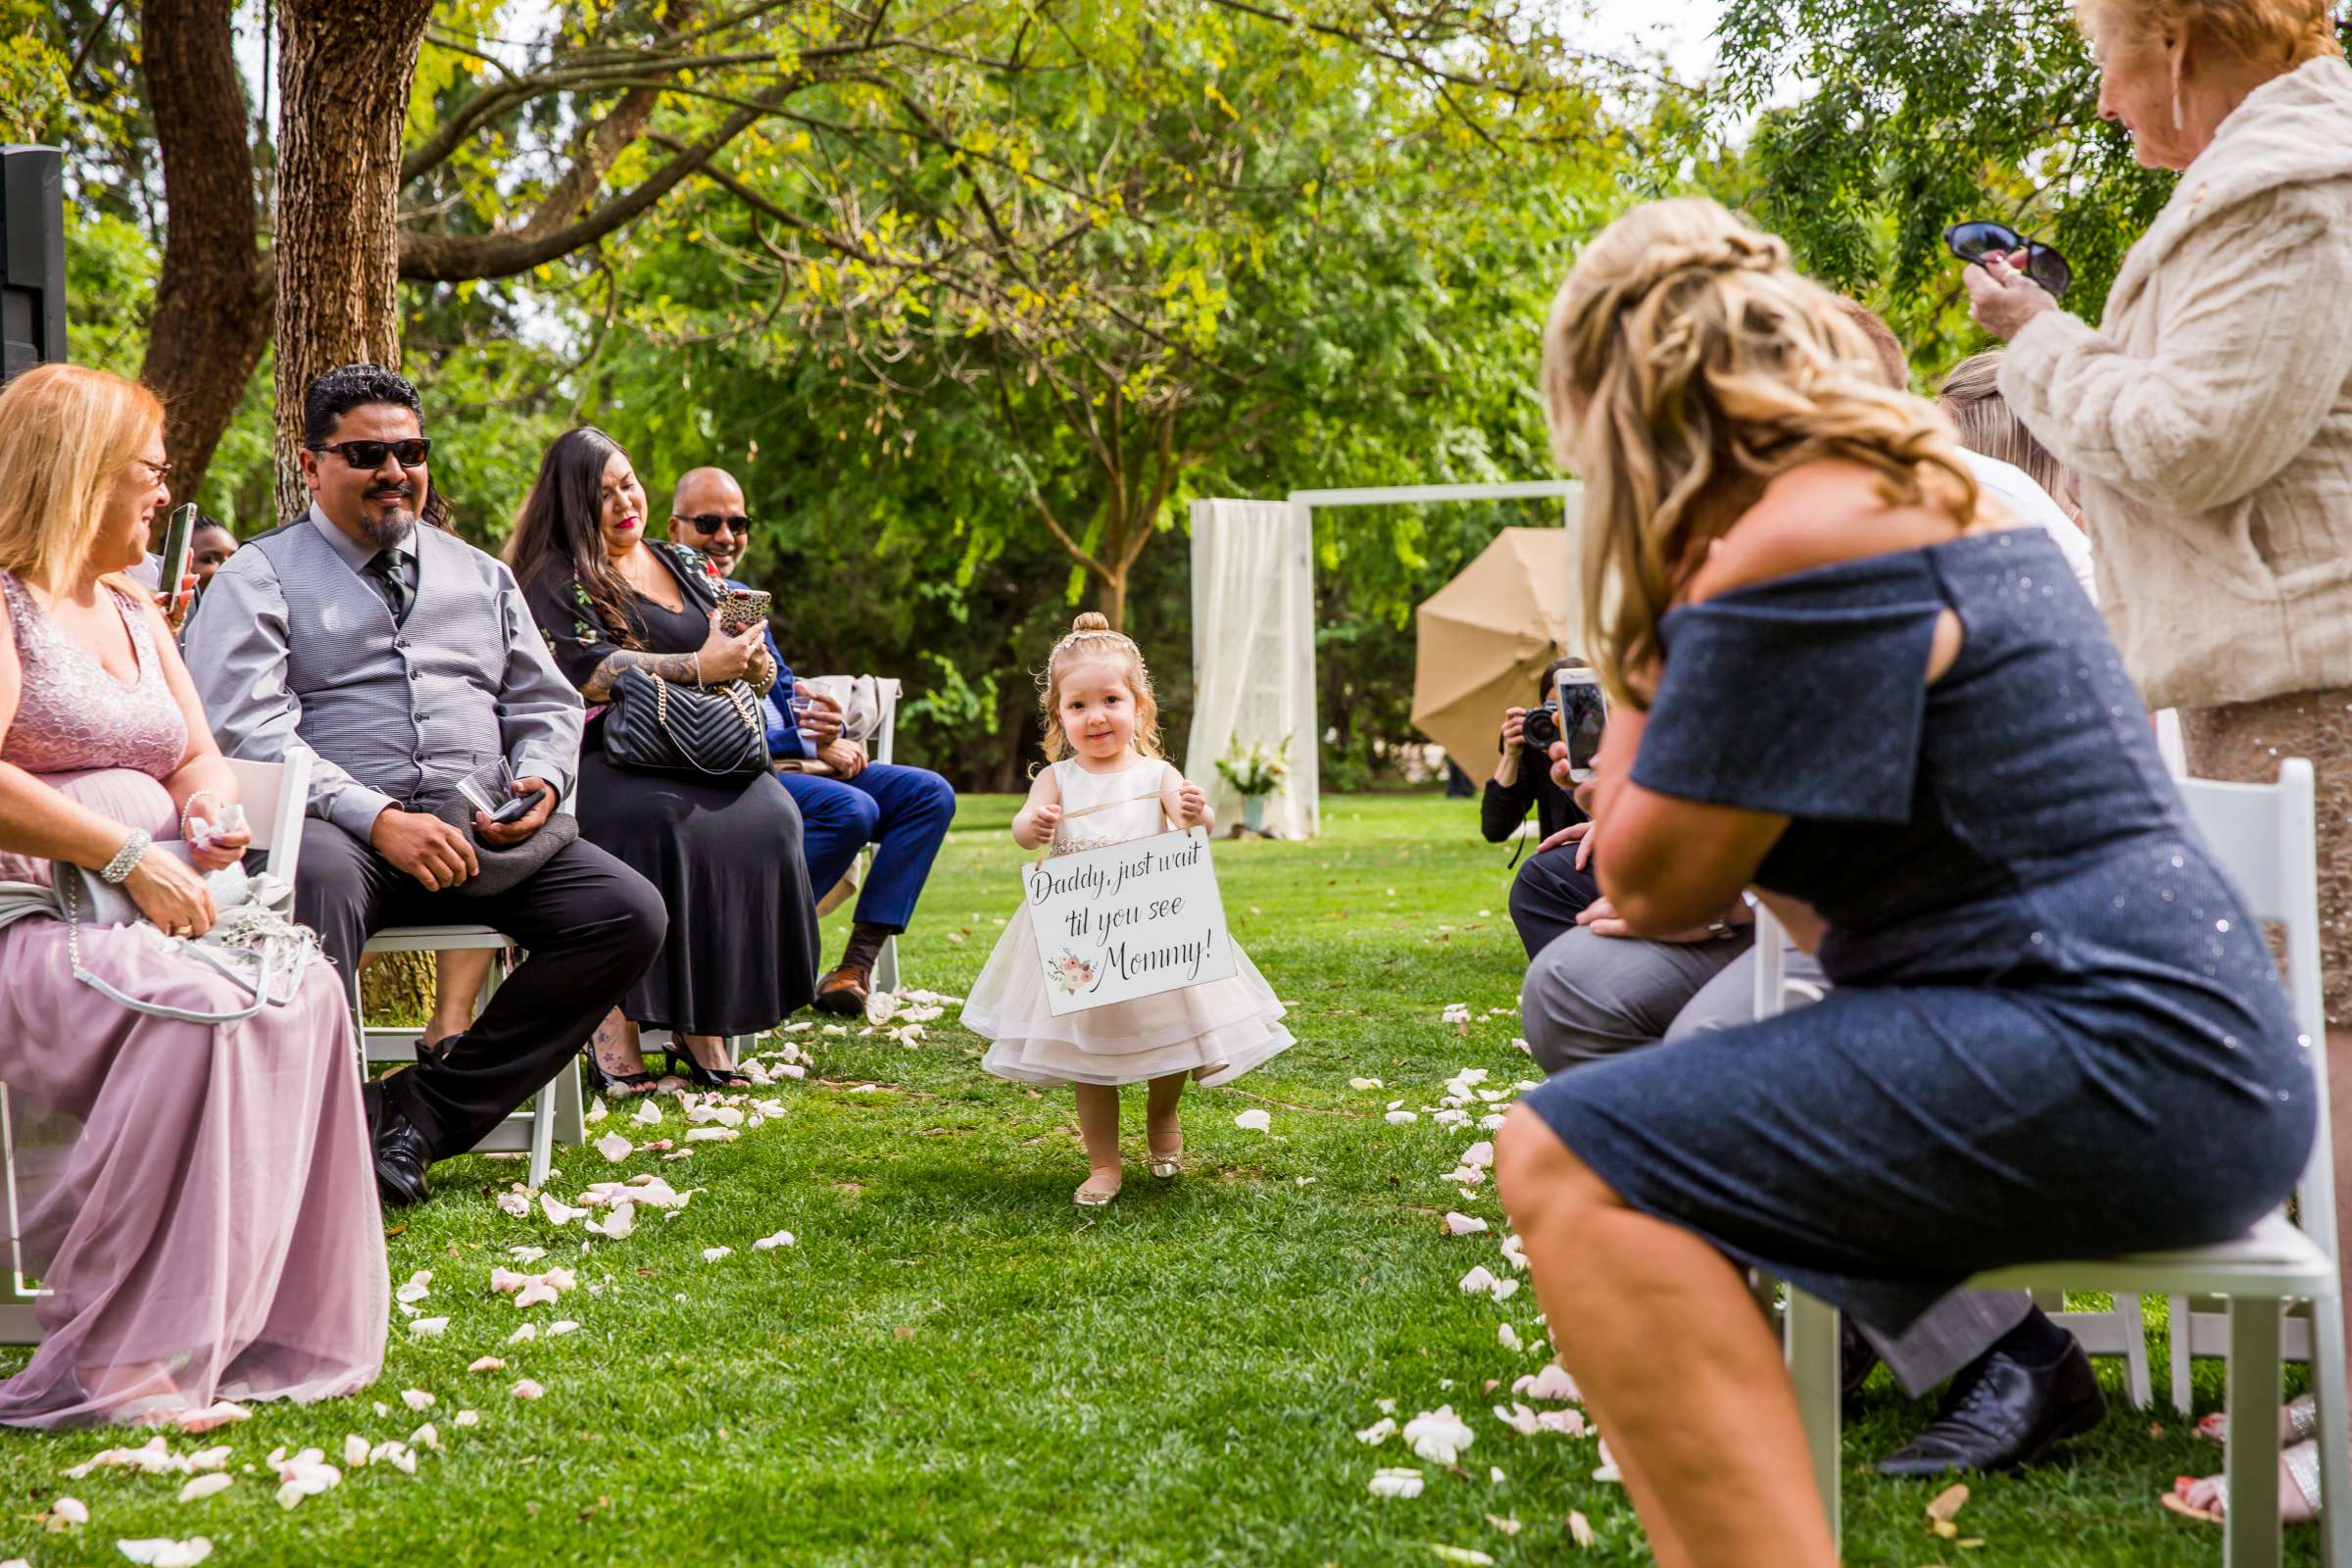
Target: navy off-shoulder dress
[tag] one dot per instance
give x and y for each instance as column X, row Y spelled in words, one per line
column 2053, row 1033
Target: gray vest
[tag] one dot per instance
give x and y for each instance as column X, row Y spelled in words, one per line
column 408, row 710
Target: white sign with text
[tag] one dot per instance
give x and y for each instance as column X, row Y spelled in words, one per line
column 1128, row 920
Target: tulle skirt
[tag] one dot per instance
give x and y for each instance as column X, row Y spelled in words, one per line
column 197, row 1200
column 1235, row 1022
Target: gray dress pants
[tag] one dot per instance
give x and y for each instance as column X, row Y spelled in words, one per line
column 1587, row 997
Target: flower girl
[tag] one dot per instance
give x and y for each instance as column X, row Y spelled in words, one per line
column 1107, row 784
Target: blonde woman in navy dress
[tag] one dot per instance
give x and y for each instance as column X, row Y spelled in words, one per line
column 2054, row 1032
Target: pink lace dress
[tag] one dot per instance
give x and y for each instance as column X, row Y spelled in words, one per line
column 197, row 1202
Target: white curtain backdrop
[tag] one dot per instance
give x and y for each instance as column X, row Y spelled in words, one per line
column 1254, row 652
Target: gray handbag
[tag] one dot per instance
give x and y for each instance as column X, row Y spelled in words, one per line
column 78, row 895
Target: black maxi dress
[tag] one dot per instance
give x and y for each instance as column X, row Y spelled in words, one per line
column 725, row 853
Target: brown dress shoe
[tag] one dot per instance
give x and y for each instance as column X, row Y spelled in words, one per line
column 843, row 992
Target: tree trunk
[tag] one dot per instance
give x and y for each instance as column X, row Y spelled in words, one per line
column 343, row 80
column 212, row 302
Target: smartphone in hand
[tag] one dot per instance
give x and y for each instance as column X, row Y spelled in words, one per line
column 1584, row 715
column 179, row 536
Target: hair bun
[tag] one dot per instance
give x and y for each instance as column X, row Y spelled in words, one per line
column 1091, row 620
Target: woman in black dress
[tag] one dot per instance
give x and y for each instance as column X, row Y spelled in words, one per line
column 742, row 953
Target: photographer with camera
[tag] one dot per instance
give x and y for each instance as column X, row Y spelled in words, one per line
column 1552, row 887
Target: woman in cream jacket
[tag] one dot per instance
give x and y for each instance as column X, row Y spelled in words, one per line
column 2209, row 417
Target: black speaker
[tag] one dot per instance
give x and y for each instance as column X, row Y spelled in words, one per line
column 32, row 258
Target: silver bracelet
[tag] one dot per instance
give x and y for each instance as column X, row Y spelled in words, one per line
column 116, row 872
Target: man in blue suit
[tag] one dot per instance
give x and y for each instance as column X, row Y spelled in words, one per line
column 903, row 811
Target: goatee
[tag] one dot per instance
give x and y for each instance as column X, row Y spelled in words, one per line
column 385, row 531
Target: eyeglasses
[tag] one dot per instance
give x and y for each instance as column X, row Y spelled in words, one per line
column 161, row 471
column 710, row 522
column 411, row 453
column 1974, row 241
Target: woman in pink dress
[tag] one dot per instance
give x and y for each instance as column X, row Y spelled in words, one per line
column 196, row 1199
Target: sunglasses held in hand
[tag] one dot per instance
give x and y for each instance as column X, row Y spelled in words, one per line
column 1974, row 241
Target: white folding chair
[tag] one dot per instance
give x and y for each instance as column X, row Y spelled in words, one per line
column 554, row 1115
column 2263, row 835
column 276, row 795
column 883, row 747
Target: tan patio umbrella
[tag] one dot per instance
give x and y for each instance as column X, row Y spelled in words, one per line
column 1486, row 635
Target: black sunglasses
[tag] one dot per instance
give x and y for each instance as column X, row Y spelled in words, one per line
column 1972, row 242
column 411, row 453
column 710, row 522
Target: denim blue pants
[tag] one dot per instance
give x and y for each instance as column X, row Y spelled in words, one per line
column 903, row 811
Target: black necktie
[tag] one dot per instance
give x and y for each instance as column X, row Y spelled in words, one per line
column 384, row 567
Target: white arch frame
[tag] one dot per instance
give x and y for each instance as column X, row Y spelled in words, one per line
column 1214, row 646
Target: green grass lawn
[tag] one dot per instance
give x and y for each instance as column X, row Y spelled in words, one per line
column 956, row 1365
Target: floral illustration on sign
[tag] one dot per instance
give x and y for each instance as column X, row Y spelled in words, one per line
column 1071, row 973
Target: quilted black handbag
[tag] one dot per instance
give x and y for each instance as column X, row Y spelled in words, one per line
column 658, row 726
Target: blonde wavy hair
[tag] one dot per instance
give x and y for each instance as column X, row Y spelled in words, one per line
column 1685, row 364
column 1091, row 640
column 67, row 433
column 2284, row 33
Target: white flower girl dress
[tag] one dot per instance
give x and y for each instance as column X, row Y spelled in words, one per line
column 1235, row 1022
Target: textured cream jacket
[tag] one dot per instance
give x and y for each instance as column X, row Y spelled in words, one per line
column 2210, row 415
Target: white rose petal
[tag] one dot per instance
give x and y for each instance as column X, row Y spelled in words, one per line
column 596, row 1111
column 415, row 1398
column 426, row 1436
column 427, row 1328
column 712, row 1135
column 203, row 1487
column 879, row 1006
column 1569, row 1423
column 1552, row 1383
column 65, row 1512
column 208, row 1458
column 528, row 1255
column 1580, row 1529
column 1479, row 1281
column 558, row 1212
column 712, row 1254
column 1519, row 1418
column 1438, row 1436
column 1460, row 1224
column 1398, row 1118
column 1397, row 1483
column 616, row 1224
column 528, row 1331
column 562, row 1325
column 466, row 1418
column 518, row 1204
column 488, row 1363
column 1366, row 1083
column 527, row 1390
column 1507, row 1336
column 1254, row 1121
column 615, row 1148
column 1379, row 1432
column 648, row 1112
column 1479, row 1153
column 355, row 1450
column 162, row 1553
column 768, row 1244
column 531, row 1295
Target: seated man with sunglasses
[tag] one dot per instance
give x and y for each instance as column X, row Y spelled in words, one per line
column 406, row 659
column 903, row 811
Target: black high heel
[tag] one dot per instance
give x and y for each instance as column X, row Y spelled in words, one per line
column 683, row 1065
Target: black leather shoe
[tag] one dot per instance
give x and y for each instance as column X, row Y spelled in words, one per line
column 2001, row 1414
column 401, row 1156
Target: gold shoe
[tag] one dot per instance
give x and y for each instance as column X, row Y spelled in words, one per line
column 1089, row 1196
column 1164, row 1166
